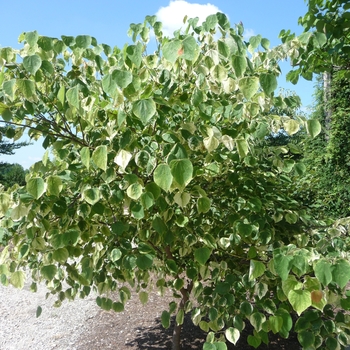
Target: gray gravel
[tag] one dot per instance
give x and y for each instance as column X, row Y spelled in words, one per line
column 56, row 328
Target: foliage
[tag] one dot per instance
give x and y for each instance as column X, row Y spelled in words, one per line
column 325, row 42
column 11, row 174
column 162, row 179
column 326, row 186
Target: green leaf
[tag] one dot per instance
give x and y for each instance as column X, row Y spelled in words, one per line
column 182, row 171
column 291, row 126
column 143, row 296
column 54, row 185
column 165, row 319
column 49, row 272
column 239, row 64
column 182, row 198
column 32, row 63
column 257, row 319
column 99, row 157
column 73, row 97
column 232, row 335
column 245, row 229
column 134, row 53
column 323, row 271
column 287, row 319
column 283, row 264
column 203, row 204
column 265, row 43
column 134, row 191
column 144, row 110
column 172, row 50
column 85, row 157
column 118, row 306
column 83, row 41
column 276, row 323
column 313, row 127
column 180, row 316
column 208, row 346
column 27, row 87
column 38, row 311
column 116, row 254
column 306, row 339
column 254, row 41
column 171, row 264
column 201, row 255
column 147, row 200
column 31, row 38
column 122, row 77
column 242, row 147
column 341, row 272
column 268, row 83
column 256, row 269
column 144, row 261
column 190, row 48
column 109, row 85
column 254, row 341
column 249, row 86
column 300, row 300
column 36, row 187
column 17, row 279
column 61, row 255
column 162, row 176
column 9, row 88
column 91, row 195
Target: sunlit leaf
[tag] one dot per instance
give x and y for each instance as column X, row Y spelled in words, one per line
column 99, row 157
column 73, row 96
column 32, row 63
column 182, row 171
column 36, row 187
column 17, row 279
column 249, row 86
column 313, row 127
column 144, row 110
column 201, row 255
column 232, row 335
column 300, row 300
column 54, row 185
column 268, row 83
column 163, row 176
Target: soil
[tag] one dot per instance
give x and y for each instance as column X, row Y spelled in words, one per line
column 139, row 327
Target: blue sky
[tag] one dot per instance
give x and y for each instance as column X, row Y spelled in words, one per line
column 108, row 22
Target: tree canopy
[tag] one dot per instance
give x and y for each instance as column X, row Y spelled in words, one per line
column 161, row 177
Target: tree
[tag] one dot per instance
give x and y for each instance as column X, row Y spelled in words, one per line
column 11, row 174
column 161, row 179
column 6, row 147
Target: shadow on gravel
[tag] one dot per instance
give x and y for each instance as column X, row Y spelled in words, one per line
column 157, row 337
column 193, row 337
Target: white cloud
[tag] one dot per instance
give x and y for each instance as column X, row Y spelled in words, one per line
column 248, row 33
column 172, row 15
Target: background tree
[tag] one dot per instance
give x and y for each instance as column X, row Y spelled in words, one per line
column 6, row 147
column 324, row 49
column 162, row 179
column 10, row 174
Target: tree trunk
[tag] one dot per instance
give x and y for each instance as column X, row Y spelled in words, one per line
column 327, row 80
column 177, row 337
column 178, row 327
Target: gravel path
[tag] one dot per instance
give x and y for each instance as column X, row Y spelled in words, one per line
column 56, row 328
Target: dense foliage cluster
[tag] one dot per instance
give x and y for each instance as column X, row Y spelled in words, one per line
column 161, row 178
